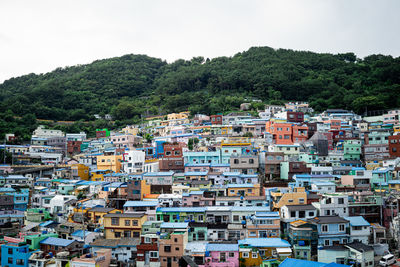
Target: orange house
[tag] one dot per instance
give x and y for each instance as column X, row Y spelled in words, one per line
column 300, row 133
column 282, row 132
column 287, row 133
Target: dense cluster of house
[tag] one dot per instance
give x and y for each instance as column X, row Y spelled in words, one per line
column 220, row 190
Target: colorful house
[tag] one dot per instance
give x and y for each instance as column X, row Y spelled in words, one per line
column 119, row 225
column 15, row 254
column 332, row 230
column 221, row 255
column 252, row 251
column 109, row 162
column 234, row 190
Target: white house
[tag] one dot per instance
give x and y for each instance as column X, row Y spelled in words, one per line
column 333, row 204
column 134, row 161
column 360, row 229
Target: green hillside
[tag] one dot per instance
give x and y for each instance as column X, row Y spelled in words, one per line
column 135, row 85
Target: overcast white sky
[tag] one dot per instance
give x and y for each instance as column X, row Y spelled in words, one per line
column 39, row 36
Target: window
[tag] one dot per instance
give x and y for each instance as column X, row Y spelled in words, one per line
column 117, row 234
column 222, row 256
column 135, row 234
column 114, row 221
column 153, row 254
column 177, row 248
column 251, row 161
column 324, row 228
column 235, row 218
column 302, row 214
column 301, row 200
column 341, row 200
column 147, row 240
column 134, row 222
column 254, row 255
column 245, row 254
column 310, row 213
column 127, row 222
column 293, row 214
column 167, row 248
column 231, row 254
column 10, row 251
column 341, row 227
column 326, row 243
column 290, row 201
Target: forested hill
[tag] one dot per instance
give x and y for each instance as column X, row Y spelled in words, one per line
column 133, row 85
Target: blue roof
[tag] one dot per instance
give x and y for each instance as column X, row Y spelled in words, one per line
column 394, row 182
column 196, row 173
column 323, row 183
column 381, row 170
column 158, row 173
column 5, row 189
column 258, row 209
column 264, row 242
column 220, row 165
column 231, row 173
column 196, row 193
column 222, row 247
column 239, row 185
column 357, row 221
column 131, row 203
column 47, row 223
column 79, row 233
column 182, row 209
column 198, row 164
column 288, row 262
column 174, row 225
column 54, row 241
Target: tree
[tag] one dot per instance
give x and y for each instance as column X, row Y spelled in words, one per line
column 190, row 144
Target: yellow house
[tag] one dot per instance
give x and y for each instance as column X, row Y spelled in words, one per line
column 96, row 215
column 372, row 164
column 98, row 175
column 131, row 130
column 252, row 251
column 394, row 185
column 109, row 162
column 283, row 197
column 177, row 116
column 119, row 225
column 234, row 190
column 81, row 171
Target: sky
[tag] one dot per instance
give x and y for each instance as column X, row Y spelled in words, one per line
column 41, row 35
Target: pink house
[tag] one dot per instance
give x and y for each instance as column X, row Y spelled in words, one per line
column 221, row 255
column 198, row 199
column 125, row 141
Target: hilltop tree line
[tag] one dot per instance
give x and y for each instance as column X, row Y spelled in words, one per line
column 133, row 86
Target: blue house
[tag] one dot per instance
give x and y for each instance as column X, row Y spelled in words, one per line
column 20, row 199
column 15, row 254
column 332, row 230
column 289, row 262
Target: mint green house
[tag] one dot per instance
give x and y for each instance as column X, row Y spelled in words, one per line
column 309, row 158
column 284, row 165
column 352, row 150
column 378, row 137
column 198, row 232
column 37, row 215
column 181, row 214
column 65, row 189
column 34, row 240
column 380, row 178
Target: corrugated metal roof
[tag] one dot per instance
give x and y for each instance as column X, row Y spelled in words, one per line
column 54, row 241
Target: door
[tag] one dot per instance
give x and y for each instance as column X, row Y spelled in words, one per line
column 169, row 262
column 146, row 257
